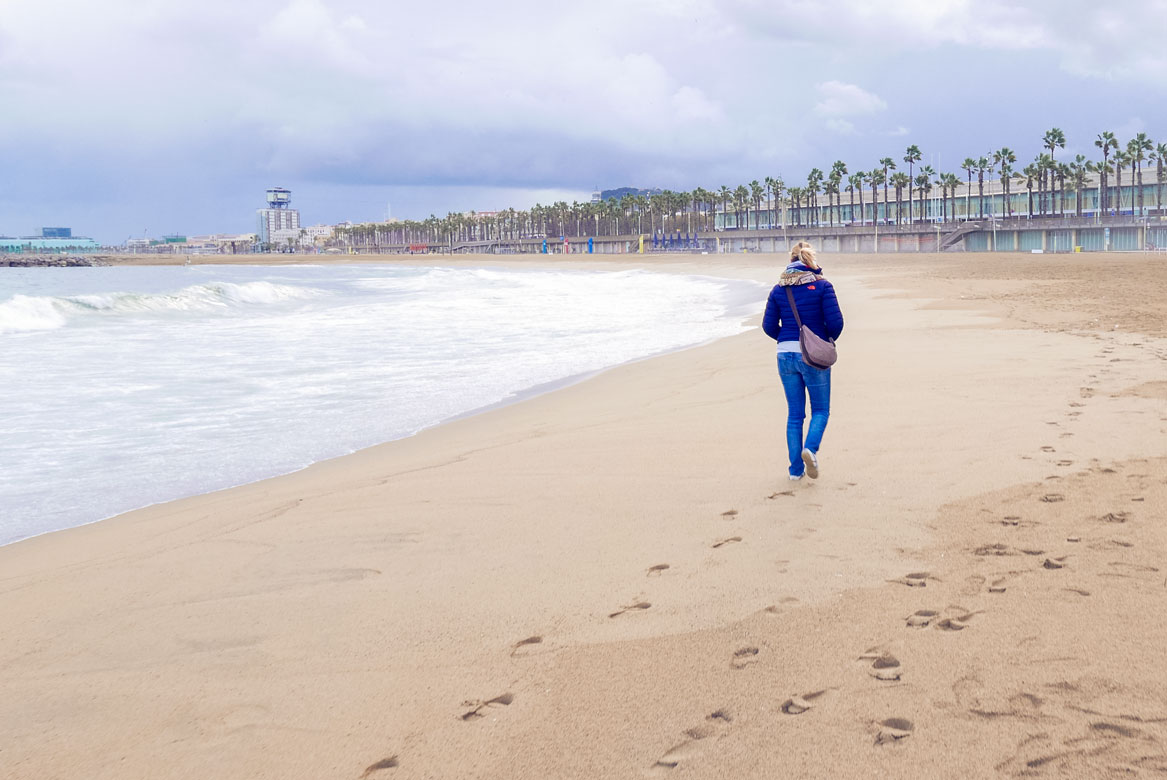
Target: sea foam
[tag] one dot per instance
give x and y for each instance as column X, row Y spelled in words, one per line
column 130, row 386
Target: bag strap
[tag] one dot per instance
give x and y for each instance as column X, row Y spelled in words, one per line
column 794, row 307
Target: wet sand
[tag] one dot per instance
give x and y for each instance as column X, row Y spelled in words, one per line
column 617, row 580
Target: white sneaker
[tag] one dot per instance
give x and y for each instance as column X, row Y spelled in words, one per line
column 812, row 464
column 794, row 477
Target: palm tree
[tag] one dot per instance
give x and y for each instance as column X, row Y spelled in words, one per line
column 741, row 201
column 1042, row 164
column 1105, row 141
column 855, row 182
column 1005, row 157
column 814, row 182
column 969, row 165
column 876, row 178
column 769, row 182
column 1121, row 160
column 911, row 156
column 1103, row 169
column 838, row 171
column 931, row 174
column 1158, row 156
column 982, row 165
column 901, row 181
column 1079, row 170
column 924, row 185
column 1053, row 139
column 831, row 188
column 888, row 165
column 756, row 192
column 1141, row 144
column 949, row 182
column 860, row 179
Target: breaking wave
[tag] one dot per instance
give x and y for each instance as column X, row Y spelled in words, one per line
column 23, row 313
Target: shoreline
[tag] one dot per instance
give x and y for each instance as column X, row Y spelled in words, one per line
column 320, row 623
column 736, row 310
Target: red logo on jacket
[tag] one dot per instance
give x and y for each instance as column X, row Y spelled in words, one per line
column 810, row 287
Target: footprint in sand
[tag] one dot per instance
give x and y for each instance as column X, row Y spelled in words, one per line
column 1115, row 517
column 654, row 571
column 995, row 549
column 1052, row 498
column 1055, row 563
column 917, row 579
column 1064, row 463
column 522, row 643
column 743, row 657
column 893, row 730
column 780, row 493
column 884, row 666
column 384, row 763
column 729, row 513
column 922, row 618
column 958, row 623
column 638, row 606
column 800, row 703
column 697, row 741
column 478, row 706
column 727, row 540
column 1048, row 448
column 999, row 585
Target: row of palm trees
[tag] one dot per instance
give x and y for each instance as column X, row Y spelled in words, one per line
column 698, row 210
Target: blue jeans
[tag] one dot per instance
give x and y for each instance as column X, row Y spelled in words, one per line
column 800, row 380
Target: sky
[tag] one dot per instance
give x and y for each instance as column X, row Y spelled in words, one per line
column 149, row 117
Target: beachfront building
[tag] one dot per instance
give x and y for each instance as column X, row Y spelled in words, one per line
column 316, row 235
column 278, row 224
column 51, row 239
column 1017, row 215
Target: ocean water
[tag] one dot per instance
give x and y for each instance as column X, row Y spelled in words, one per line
column 123, row 387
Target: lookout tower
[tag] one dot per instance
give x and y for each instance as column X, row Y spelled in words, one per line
column 279, row 198
column 278, row 225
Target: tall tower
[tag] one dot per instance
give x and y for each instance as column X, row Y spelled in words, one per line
column 278, row 225
column 279, row 198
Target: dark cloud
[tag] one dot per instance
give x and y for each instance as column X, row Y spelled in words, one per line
column 150, row 112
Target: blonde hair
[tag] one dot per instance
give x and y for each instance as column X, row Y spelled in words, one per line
column 803, row 251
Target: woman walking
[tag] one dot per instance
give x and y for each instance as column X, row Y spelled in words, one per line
column 819, row 310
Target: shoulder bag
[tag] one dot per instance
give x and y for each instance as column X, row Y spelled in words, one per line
column 816, row 351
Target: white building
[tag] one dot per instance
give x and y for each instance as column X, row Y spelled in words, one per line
column 278, row 222
column 274, row 225
column 317, row 234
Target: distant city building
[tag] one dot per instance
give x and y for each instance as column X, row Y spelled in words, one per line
column 278, row 223
column 56, row 232
column 620, row 192
column 317, row 234
column 597, row 196
column 47, row 244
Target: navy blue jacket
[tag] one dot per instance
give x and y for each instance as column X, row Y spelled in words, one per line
column 817, row 306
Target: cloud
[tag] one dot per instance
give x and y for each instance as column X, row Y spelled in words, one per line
column 837, row 99
column 841, row 126
column 354, row 95
column 1113, row 40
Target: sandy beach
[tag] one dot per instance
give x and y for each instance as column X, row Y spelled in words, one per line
column 617, row 580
